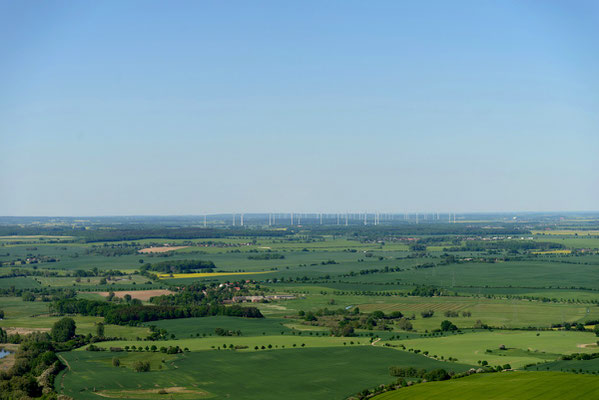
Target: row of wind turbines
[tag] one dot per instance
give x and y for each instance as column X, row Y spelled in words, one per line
column 345, row 218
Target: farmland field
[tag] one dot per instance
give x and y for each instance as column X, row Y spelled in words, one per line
column 530, row 345
column 504, row 386
column 294, row 374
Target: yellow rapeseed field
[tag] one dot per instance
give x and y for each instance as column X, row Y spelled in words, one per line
column 553, row 252
column 208, row 274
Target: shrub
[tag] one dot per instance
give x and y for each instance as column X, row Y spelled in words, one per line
column 141, row 366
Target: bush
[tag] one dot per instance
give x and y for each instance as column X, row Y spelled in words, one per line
column 447, row 326
column 141, row 366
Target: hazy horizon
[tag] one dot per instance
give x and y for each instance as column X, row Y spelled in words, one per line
column 152, row 108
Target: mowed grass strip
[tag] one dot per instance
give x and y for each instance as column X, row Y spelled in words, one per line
column 504, row 386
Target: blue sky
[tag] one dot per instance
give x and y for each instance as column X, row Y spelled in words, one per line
column 153, row 107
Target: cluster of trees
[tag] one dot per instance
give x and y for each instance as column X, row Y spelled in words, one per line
column 227, row 332
column 375, row 320
column 577, row 326
column 266, row 256
column 384, row 270
column 131, row 314
column 392, row 233
column 153, row 348
column 455, row 314
column 425, row 266
column 508, row 245
column 113, row 250
column 448, row 326
column 179, row 266
column 141, row 231
column 198, row 294
column 580, row 356
column 141, row 366
column 427, row 291
column 36, row 363
column 63, row 330
column 43, row 294
column 411, row 372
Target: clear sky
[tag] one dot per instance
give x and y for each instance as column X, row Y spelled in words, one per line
column 172, row 107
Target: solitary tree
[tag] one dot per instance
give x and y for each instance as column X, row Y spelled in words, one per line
column 63, row 329
column 100, row 329
column 448, row 326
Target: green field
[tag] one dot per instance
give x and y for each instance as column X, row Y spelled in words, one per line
column 85, row 325
column 504, row 386
column 472, row 347
column 278, row 342
column 494, row 312
column 576, row 366
column 188, row 327
column 327, row 373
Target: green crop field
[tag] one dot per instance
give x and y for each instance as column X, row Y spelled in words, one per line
column 187, row 327
column 15, row 307
column 21, row 282
column 504, row 386
column 326, row 373
column 576, row 366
